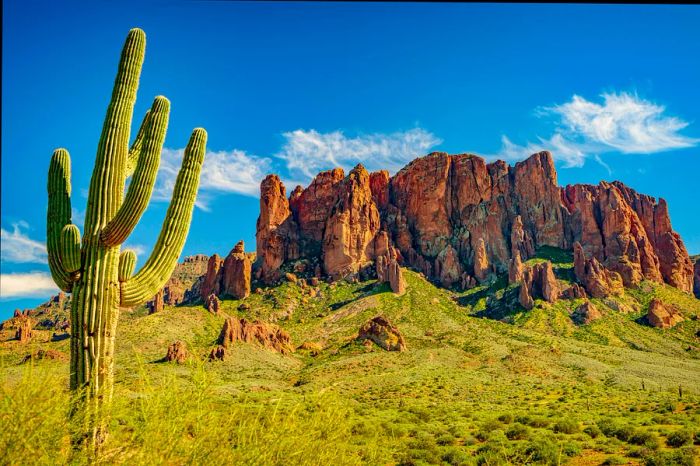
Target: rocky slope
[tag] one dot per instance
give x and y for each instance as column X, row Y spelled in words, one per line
column 460, row 221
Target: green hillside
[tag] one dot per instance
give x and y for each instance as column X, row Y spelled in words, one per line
column 482, row 382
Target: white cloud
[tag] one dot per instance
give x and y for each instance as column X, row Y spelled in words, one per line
column 139, row 249
column 223, row 172
column 308, row 152
column 26, row 285
column 18, row 247
column 622, row 123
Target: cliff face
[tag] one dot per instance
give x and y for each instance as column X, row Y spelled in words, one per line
column 460, row 220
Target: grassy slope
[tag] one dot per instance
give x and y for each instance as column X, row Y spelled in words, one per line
column 439, row 402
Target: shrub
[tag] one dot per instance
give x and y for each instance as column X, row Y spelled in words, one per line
column 518, row 432
column 624, row 433
column 644, row 438
column 593, row 431
column 679, row 438
column 607, row 427
column 543, row 450
column 566, row 426
column 506, row 418
column 613, row 461
column 455, row 456
column 680, row 457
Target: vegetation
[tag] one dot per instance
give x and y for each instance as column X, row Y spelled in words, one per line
column 468, row 390
column 99, row 277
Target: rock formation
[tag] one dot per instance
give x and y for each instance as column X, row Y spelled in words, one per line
column 515, row 268
column 236, row 273
column 661, row 315
column 157, row 303
column 696, row 286
column 383, row 333
column 212, row 279
column 585, row 313
column 267, row 335
column 177, row 352
column 213, row 304
column 598, row 281
column 24, row 331
column 218, row 353
column 184, row 283
column 538, row 281
column 457, row 219
column 388, row 270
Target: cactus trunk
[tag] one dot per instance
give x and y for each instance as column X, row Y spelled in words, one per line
column 100, row 278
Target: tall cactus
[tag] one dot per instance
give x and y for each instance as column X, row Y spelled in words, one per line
column 100, row 278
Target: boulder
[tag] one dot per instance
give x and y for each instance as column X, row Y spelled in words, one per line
column 213, row 304
column 585, row 313
column 383, row 333
column 177, row 352
column 661, row 315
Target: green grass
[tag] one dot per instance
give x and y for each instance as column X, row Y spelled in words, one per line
column 469, row 390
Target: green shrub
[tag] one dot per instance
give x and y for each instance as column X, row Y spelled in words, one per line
column 593, row 431
column 506, row 418
column 455, row 456
column 624, row 433
column 613, row 460
column 566, row 426
column 679, row 438
column 645, row 438
column 680, row 457
column 518, row 432
column 544, row 451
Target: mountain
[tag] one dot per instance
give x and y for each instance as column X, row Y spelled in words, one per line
column 457, row 313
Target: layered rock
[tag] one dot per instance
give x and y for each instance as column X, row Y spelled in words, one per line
column 457, row 220
column 264, row 334
column 661, row 315
column 383, row 333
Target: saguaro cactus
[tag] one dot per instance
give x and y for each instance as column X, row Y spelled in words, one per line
column 100, row 278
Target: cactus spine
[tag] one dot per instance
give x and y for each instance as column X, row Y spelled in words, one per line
column 100, row 278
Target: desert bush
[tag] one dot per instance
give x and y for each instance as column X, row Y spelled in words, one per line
column 518, row 431
column 593, row 431
column 566, row 426
column 645, row 438
column 679, row 438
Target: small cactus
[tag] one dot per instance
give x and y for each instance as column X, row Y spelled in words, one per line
column 101, row 279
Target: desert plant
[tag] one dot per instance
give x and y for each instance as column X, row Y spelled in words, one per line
column 99, row 277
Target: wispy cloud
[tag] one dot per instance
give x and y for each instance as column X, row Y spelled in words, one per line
column 18, row 247
column 308, row 152
column 223, row 172
column 623, row 122
column 26, row 285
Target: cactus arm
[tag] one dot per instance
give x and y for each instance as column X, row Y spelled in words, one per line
column 135, row 149
column 107, row 182
column 59, row 215
column 127, row 263
column 144, row 178
column 157, row 269
column 70, row 249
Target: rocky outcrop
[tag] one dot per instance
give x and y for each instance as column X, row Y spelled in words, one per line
column 696, row 286
column 157, row 304
column 661, row 315
column 230, row 277
column 264, row 334
column 598, row 281
column 177, row 352
column 538, row 281
column 458, row 219
column 348, row 236
column 25, row 330
column 236, row 273
column 184, row 282
column 276, row 232
column 213, row 304
column 383, row 333
column 575, row 291
column 515, row 269
column 585, row 313
column 389, row 271
column 218, row 353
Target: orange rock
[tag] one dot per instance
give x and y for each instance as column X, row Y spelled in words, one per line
column 481, row 261
column 662, row 316
column 236, row 273
column 383, row 333
column 267, row 335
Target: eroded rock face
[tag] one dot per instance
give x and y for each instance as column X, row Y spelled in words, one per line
column 598, row 281
column 586, row 313
column 515, row 268
column 696, row 286
column 661, row 315
column 177, row 352
column 388, row 270
column 383, row 333
column 157, row 304
column 348, row 237
column 184, row 282
column 456, row 218
column 213, row 304
column 264, row 334
column 212, row 279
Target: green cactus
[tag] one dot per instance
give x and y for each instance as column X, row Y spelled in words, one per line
column 100, row 278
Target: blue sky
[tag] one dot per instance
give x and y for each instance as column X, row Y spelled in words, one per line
column 294, row 88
